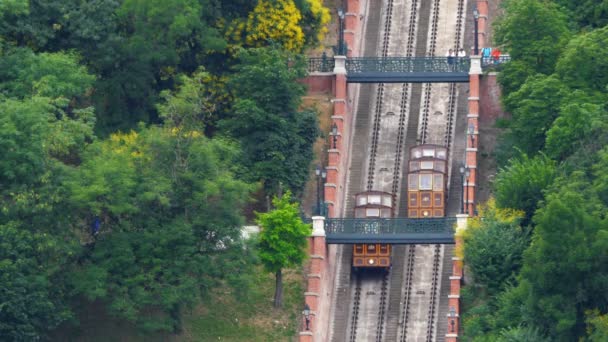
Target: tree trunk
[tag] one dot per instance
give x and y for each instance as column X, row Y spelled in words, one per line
column 278, row 292
column 176, row 317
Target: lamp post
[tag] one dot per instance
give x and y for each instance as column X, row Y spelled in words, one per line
column 334, row 133
column 306, row 314
column 462, row 169
column 452, row 316
column 318, row 173
column 476, row 16
column 341, row 51
column 467, row 173
column 471, row 132
column 321, row 173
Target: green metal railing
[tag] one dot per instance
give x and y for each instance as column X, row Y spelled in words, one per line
column 407, row 64
column 494, row 64
column 389, row 226
column 321, row 64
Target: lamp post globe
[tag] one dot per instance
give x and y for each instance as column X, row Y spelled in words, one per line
column 306, row 314
column 476, row 30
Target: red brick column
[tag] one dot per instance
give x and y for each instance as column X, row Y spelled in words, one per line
column 482, row 7
column 472, row 136
column 336, row 152
column 455, row 283
column 316, row 275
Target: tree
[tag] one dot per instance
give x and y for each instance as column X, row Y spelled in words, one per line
column 597, row 326
column 32, row 288
column 494, row 246
column 520, row 185
column 588, row 14
column 565, row 267
column 583, row 63
column 534, row 107
column 169, row 223
column 276, row 137
column 579, row 125
column 534, row 32
column 283, row 240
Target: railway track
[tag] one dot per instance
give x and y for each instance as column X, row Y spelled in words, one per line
column 364, row 301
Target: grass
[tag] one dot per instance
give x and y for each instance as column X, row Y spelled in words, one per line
column 221, row 317
column 250, row 318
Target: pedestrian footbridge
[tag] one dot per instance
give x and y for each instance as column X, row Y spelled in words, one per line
column 397, row 69
column 395, row 230
column 403, row 69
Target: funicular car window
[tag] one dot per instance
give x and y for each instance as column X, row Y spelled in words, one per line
column 425, row 199
column 412, row 182
column 426, row 181
column 414, row 166
column 441, row 153
column 437, row 182
column 437, row 199
column 426, row 165
column 373, row 212
column 387, row 200
column 414, row 199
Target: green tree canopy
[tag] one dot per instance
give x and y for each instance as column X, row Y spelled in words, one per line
column 534, row 107
column 167, row 222
column 494, row 247
column 584, row 62
column 532, row 31
column 565, row 265
column 283, row 239
column 520, row 185
column 276, row 137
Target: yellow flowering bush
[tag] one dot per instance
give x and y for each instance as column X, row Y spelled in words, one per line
column 320, row 16
column 124, row 143
column 488, row 211
column 275, row 21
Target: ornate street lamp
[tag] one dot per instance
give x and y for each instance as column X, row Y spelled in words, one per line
column 452, row 316
column 467, row 173
column 334, row 133
column 462, row 169
column 476, row 16
column 306, row 314
column 321, row 173
column 471, row 132
column 341, row 49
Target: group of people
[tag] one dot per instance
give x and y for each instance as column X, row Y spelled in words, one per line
column 489, row 55
column 452, row 55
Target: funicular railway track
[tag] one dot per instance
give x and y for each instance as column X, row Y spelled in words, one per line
column 425, row 133
column 408, row 282
column 376, row 289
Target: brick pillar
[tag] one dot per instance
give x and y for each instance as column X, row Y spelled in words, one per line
column 482, row 7
column 455, row 283
column 472, row 136
column 318, row 253
column 336, row 151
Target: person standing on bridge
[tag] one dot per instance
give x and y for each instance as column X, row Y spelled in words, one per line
column 462, row 59
column 451, row 57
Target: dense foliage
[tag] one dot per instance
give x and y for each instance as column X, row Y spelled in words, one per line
column 553, row 166
column 134, row 133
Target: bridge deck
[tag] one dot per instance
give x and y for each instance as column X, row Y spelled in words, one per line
column 407, row 77
column 402, row 239
column 396, row 230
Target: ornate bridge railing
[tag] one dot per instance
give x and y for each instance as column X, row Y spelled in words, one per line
column 407, row 64
column 321, row 64
column 494, row 63
column 398, row 230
